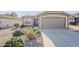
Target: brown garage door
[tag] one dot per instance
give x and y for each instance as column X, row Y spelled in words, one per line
column 53, row 22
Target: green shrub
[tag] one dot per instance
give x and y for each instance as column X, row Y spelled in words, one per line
column 14, row 42
column 7, row 44
column 17, row 33
column 72, row 23
column 36, row 30
column 16, row 25
column 32, row 33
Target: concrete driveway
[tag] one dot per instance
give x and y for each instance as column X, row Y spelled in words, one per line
column 61, row 37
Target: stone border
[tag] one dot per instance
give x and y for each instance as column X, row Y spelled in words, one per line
column 46, row 41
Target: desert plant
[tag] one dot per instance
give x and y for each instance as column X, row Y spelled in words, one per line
column 32, row 33
column 16, row 25
column 18, row 33
column 14, row 42
column 36, row 29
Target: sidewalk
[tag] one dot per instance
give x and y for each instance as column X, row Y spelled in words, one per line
column 74, row 27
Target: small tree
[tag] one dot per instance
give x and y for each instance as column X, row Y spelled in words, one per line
column 11, row 14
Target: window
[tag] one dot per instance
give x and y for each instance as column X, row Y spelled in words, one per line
column 77, row 20
column 27, row 22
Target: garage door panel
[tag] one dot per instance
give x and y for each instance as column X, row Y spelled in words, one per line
column 53, row 22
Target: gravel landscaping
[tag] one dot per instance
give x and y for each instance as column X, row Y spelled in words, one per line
column 32, row 38
column 34, row 43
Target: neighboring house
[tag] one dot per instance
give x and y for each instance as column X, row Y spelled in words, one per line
column 8, row 21
column 29, row 20
column 76, row 18
column 54, row 19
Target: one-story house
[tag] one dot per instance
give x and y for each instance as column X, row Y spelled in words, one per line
column 8, row 21
column 48, row 20
column 54, row 19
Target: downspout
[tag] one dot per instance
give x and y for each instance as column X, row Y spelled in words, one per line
column 74, row 20
column 39, row 22
column 67, row 23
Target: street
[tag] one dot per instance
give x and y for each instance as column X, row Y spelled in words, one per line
column 5, row 35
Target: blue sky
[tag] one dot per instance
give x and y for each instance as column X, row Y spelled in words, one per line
column 22, row 13
column 72, row 12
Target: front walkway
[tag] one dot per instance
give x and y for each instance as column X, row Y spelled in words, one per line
column 61, row 37
column 34, row 43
